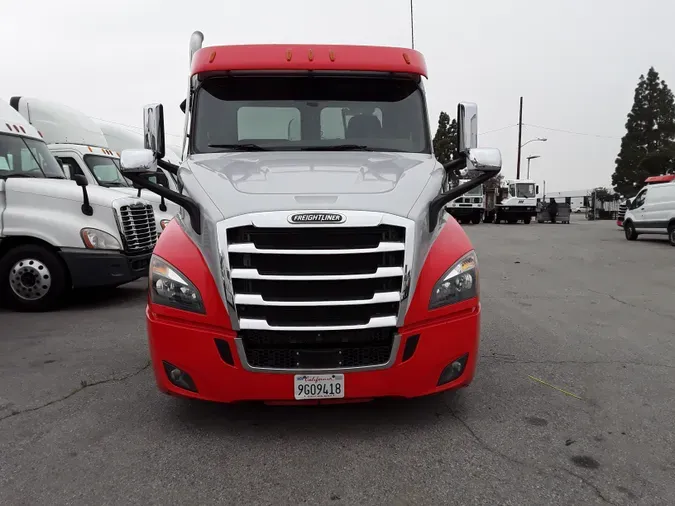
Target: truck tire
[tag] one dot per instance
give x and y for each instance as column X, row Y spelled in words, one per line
column 475, row 219
column 671, row 234
column 32, row 278
column 629, row 230
column 527, row 220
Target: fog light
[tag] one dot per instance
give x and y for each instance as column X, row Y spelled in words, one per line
column 453, row 370
column 178, row 377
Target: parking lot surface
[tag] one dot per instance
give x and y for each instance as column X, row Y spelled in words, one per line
column 572, row 403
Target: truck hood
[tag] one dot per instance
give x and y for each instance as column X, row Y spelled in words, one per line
column 241, row 183
column 65, row 189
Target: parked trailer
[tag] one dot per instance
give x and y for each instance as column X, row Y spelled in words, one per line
column 313, row 268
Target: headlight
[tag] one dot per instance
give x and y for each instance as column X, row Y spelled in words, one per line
column 459, row 283
column 164, row 223
column 98, row 239
column 170, row 287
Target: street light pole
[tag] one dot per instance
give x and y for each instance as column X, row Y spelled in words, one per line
column 520, row 136
column 529, row 159
column 412, row 25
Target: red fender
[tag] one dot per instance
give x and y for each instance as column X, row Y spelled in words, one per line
column 451, row 244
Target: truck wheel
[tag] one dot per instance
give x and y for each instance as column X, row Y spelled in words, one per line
column 475, row 219
column 629, row 230
column 32, row 278
column 527, row 220
column 671, row 234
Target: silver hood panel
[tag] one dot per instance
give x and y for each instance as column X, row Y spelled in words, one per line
column 242, row 183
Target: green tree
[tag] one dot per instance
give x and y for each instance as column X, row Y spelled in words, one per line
column 445, row 142
column 648, row 147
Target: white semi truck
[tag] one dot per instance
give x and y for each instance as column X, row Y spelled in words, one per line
column 470, row 207
column 516, row 201
column 57, row 234
column 80, row 145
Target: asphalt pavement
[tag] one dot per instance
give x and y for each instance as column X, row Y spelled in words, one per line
column 572, row 403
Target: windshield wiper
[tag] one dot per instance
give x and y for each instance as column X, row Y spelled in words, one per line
column 339, row 147
column 240, row 147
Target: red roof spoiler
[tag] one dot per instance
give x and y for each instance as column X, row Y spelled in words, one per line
column 660, row 179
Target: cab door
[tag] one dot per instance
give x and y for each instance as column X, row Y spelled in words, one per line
column 637, row 209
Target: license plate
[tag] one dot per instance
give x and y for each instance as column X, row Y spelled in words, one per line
column 319, row 386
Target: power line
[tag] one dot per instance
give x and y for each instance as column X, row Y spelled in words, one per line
column 497, row 129
column 571, row 132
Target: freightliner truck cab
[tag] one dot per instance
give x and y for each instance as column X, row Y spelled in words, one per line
column 312, row 259
column 57, row 234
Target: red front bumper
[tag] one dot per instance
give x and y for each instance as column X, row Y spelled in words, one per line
column 193, row 349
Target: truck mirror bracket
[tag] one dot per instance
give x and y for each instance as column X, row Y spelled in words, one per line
column 436, row 205
column 185, row 202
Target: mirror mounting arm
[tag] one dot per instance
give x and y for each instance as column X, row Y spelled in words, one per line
column 436, row 205
column 168, row 166
column 185, row 202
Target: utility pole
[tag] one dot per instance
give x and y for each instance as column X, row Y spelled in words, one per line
column 520, row 136
column 412, row 25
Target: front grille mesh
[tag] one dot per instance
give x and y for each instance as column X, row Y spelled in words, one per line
column 137, row 223
column 322, row 297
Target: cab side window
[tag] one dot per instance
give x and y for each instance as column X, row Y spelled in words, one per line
column 639, row 199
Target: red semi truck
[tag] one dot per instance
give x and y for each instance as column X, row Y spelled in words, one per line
column 312, row 259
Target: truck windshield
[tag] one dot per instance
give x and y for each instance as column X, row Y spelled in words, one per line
column 298, row 113
column 105, row 170
column 475, row 192
column 525, row 190
column 23, row 157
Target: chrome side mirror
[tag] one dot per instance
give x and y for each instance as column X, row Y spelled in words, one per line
column 153, row 129
column 136, row 161
column 467, row 126
column 484, row 160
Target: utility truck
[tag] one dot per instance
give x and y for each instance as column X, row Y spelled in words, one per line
column 470, row 207
column 78, row 142
column 516, row 201
column 57, row 234
column 317, row 265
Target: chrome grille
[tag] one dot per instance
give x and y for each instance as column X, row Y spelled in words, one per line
column 622, row 212
column 322, row 297
column 137, row 224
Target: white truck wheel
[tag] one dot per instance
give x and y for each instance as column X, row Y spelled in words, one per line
column 32, row 278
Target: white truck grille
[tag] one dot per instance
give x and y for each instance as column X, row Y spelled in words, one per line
column 137, row 224
column 317, row 297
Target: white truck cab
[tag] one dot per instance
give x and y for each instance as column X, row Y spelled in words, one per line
column 517, row 201
column 470, row 207
column 82, row 147
column 57, row 234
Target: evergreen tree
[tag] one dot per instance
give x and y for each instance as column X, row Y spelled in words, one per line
column 445, row 141
column 648, row 147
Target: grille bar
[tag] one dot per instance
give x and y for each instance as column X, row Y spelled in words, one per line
column 250, row 247
column 258, row 300
column 379, row 322
column 382, row 272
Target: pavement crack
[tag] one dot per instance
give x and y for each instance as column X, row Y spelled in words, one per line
column 83, row 385
column 514, row 360
column 512, row 460
column 629, row 304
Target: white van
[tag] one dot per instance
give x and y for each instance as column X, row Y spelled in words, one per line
column 81, row 146
column 652, row 211
column 57, row 234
